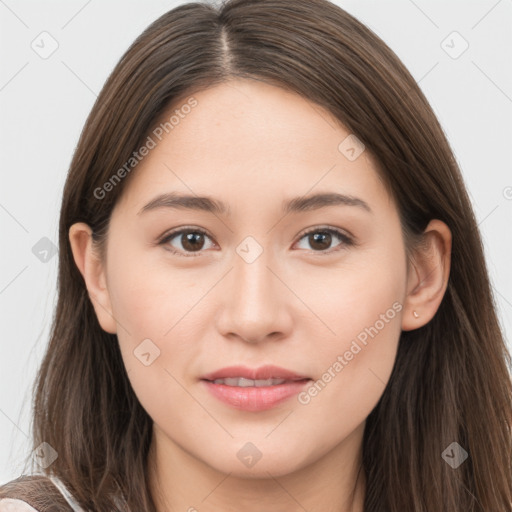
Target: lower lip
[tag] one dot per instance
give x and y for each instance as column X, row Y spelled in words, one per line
column 254, row 398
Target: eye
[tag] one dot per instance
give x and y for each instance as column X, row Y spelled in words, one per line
column 190, row 239
column 321, row 238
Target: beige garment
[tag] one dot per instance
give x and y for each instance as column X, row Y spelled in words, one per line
column 15, row 505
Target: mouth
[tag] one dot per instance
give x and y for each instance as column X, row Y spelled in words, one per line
column 252, row 392
column 242, row 382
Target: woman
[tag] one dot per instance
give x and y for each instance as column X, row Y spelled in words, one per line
column 272, row 288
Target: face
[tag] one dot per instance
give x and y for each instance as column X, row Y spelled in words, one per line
column 311, row 287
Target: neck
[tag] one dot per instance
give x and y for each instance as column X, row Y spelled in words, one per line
column 179, row 481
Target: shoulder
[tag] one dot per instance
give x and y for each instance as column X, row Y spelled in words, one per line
column 30, row 493
column 15, row 505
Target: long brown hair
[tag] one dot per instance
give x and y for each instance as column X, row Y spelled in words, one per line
column 451, row 380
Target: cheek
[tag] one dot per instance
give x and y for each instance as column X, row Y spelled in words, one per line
column 147, row 295
column 149, row 303
column 154, row 342
column 367, row 307
column 354, row 364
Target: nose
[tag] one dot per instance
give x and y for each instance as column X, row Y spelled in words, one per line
column 256, row 302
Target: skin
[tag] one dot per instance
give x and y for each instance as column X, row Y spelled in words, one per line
column 253, row 146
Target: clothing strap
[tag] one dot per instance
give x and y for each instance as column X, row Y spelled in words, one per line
column 64, row 491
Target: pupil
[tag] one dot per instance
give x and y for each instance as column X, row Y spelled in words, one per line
column 324, row 237
column 191, row 240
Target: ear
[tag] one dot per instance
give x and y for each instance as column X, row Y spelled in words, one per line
column 92, row 269
column 428, row 276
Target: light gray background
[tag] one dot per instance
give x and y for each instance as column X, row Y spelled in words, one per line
column 44, row 103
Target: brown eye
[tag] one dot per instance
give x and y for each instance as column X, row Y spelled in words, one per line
column 192, row 241
column 186, row 241
column 320, row 239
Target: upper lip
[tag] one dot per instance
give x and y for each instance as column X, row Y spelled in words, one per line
column 261, row 373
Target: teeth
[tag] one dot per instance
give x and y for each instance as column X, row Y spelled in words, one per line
column 245, row 383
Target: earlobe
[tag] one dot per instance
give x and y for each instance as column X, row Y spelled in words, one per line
column 428, row 276
column 92, row 269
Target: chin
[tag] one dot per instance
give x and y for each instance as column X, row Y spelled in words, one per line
column 276, row 463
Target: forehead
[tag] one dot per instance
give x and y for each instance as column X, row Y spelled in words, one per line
column 248, row 140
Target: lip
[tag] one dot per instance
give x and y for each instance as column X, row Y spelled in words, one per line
column 261, row 373
column 255, row 398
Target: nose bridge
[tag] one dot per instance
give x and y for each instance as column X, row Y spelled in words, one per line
column 252, row 279
column 254, row 307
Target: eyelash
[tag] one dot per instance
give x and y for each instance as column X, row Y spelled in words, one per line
column 346, row 240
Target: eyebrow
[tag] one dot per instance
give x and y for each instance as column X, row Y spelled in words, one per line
column 210, row 205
